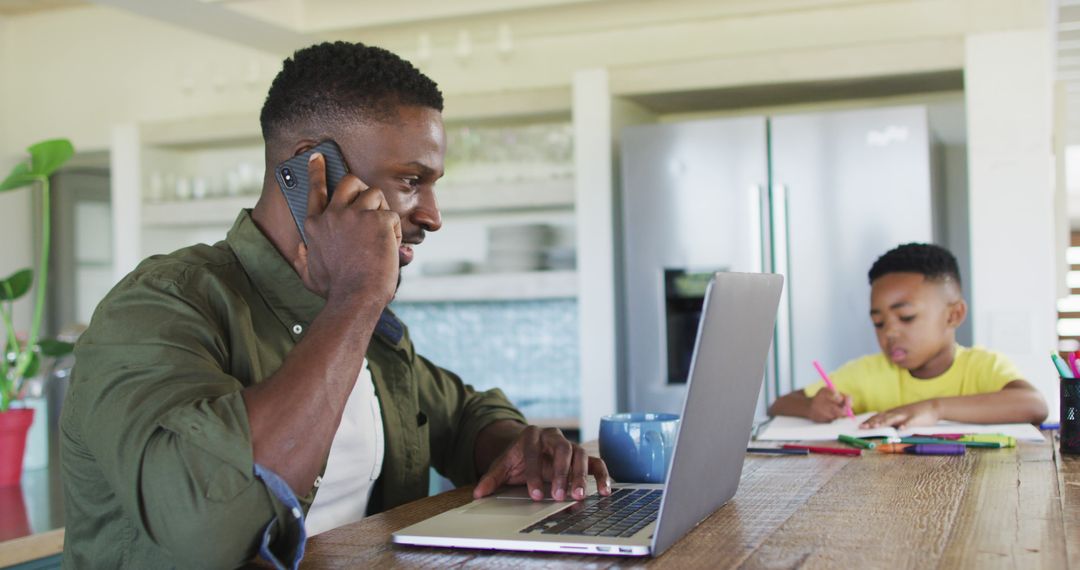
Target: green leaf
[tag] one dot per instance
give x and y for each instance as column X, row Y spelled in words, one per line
column 35, row 364
column 55, row 348
column 16, row 285
column 20, row 176
column 47, row 156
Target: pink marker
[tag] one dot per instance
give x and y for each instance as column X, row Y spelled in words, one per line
column 1073, row 366
column 825, row 377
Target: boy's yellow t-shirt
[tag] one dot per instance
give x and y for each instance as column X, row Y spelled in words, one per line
column 876, row 384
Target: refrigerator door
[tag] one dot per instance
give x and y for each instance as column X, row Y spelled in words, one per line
column 692, row 205
column 856, row 184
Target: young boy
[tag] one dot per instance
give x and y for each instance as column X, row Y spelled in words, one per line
column 921, row 375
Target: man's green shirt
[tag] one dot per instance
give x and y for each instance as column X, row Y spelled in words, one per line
column 156, row 447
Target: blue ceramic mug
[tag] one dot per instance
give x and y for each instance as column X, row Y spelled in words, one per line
column 637, row 448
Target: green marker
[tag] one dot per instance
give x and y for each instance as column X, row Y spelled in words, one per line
column 860, row 443
column 916, row 440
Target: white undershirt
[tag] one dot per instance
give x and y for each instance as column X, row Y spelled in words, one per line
column 356, row 457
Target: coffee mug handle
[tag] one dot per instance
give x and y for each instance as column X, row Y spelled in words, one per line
column 654, row 442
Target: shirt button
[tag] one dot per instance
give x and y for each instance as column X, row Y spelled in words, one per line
column 297, row 329
column 318, row 481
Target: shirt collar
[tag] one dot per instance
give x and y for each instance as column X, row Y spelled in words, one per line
column 280, row 286
column 272, row 275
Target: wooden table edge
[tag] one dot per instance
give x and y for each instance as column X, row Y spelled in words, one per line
column 33, row 547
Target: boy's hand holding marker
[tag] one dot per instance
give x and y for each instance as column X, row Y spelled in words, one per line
column 828, row 405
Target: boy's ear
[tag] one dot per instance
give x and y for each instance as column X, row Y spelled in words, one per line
column 957, row 314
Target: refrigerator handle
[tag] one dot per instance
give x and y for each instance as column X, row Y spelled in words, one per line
column 761, row 246
column 758, row 237
column 784, row 381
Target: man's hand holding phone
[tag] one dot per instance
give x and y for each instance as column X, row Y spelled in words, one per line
column 352, row 240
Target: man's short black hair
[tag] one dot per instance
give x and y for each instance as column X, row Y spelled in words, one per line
column 341, row 81
column 933, row 261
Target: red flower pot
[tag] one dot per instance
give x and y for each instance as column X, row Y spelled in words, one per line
column 13, row 427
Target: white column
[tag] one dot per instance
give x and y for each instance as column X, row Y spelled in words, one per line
column 594, row 210
column 126, row 194
column 1009, row 92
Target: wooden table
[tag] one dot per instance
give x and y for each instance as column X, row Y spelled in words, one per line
column 1007, row 508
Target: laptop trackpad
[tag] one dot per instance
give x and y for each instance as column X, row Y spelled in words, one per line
column 508, row 506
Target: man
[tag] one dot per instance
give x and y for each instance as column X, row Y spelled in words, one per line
column 222, row 392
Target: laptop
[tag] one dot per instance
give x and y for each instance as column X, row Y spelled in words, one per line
column 728, row 365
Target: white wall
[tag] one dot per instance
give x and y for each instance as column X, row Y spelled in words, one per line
column 1009, row 84
column 15, row 231
column 80, row 71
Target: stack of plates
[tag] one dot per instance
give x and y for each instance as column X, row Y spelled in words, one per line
column 562, row 255
column 518, row 248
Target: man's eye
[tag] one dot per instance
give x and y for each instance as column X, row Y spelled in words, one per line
column 878, row 325
column 907, row 319
column 411, row 181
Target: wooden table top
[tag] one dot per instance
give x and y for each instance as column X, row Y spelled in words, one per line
column 1010, row 508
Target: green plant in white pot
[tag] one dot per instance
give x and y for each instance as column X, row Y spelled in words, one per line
column 21, row 358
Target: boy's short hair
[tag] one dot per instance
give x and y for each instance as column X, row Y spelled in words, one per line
column 932, row 261
column 337, row 82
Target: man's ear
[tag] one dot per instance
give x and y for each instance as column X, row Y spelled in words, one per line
column 957, row 314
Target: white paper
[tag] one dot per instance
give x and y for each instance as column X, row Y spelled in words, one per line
column 788, row 428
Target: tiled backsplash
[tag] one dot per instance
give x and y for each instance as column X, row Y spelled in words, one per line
column 527, row 348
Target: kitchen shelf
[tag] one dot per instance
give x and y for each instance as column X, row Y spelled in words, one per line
column 202, row 212
column 481, row 197
column 489, row 287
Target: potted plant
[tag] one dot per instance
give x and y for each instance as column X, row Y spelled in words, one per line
column 21, row 358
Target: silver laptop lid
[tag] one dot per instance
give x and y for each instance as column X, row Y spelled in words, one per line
column 734, row 336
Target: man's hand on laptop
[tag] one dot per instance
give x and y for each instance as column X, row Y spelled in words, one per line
column 537, row 456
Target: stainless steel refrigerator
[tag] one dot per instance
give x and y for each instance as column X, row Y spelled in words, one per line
column 816, row 197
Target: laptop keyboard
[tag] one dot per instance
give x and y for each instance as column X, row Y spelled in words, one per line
column 622, row 514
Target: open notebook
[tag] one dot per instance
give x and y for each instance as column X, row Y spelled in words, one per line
column 787, row 428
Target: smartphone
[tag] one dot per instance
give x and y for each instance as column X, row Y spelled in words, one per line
column 292, row 177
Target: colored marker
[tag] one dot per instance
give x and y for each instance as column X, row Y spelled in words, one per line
column 1072, row 365
column 893, row 447
column 777, row 451
column 860, row 443
column 936, row 441
column 1003, row 440
column 825, row 377
column 940, row 435
column 828, row 450
column 1062, row 368
column 935, row 449
column 1050, row 425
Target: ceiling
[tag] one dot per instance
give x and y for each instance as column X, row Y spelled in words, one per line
column 281, row 26
column 19, row 7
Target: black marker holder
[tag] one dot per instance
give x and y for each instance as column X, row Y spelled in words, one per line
column 1070, row 415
